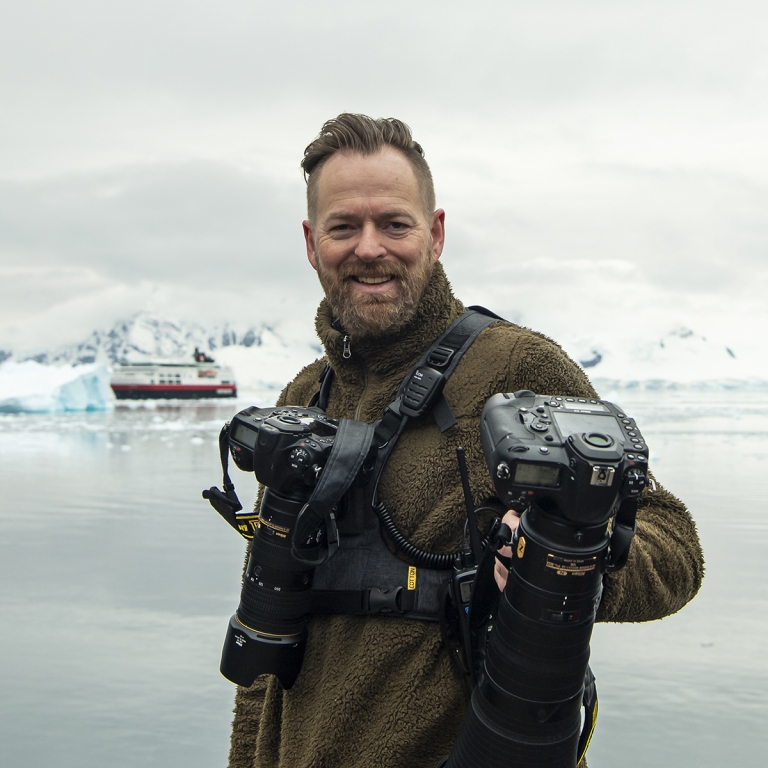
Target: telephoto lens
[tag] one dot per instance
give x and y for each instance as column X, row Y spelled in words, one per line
column 268, row 633
column 526, row 708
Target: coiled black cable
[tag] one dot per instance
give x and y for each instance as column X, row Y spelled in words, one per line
column 419, row 557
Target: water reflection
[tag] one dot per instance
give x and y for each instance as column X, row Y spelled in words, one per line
column 117, row 580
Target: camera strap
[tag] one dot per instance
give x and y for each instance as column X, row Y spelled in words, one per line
column 624, row 529
column 589, row 702
column 226, row 502
column 350, row 449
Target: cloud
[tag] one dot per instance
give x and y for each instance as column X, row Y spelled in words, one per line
column 190, row 224
column 598, row 155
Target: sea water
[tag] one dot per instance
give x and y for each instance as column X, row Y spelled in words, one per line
column 117, row 581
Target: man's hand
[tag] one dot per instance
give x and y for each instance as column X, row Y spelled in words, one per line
column 500, row 571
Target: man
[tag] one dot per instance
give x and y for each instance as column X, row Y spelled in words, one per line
column 381, row 690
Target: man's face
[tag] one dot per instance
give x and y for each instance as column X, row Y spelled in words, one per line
column 372, row 243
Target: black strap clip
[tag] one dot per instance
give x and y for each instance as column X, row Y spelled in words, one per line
column 385, row 601
column 440, row 356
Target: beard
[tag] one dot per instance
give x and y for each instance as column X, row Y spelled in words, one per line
column 381, row 314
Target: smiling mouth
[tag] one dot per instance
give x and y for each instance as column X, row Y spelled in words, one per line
column 372, row 280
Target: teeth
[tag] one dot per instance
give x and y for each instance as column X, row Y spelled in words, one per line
column 373, row 280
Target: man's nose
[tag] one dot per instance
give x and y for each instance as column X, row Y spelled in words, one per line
column 370, row 245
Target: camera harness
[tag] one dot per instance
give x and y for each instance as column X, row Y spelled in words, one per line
column 364, row 576
column 354, row 554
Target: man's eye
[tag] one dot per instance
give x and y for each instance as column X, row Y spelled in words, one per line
column 397, row 225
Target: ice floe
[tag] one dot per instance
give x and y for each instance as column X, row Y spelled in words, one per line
column 30, row 387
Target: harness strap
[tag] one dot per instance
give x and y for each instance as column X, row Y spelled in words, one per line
column 364, row 602
column 320, row 398
column 422, row 390
column 423, row 387
column 350, row 449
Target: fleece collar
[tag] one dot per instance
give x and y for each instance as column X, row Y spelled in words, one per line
column 437, row 309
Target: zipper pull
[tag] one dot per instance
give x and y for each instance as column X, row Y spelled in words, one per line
column 347, row 351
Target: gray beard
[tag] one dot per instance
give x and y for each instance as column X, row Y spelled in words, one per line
column 376, row 315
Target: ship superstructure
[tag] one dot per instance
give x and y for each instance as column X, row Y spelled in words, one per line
column 203, row 378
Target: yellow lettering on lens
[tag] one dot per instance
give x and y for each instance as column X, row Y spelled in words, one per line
column 411, row 578
column 521, row 547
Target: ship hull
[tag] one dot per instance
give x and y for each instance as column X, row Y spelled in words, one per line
column 170, row 392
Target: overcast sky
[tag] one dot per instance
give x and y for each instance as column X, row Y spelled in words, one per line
column 603, row 165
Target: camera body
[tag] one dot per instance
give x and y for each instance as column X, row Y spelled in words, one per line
column 580, row 455
column 285, row 447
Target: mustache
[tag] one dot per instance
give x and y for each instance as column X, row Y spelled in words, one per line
column 372, row 269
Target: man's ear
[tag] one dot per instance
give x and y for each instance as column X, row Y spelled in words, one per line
column 437, row 231
column 309, row 239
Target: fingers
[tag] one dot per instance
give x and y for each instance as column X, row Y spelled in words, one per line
column 500, row 574
column 500, row 571
column 511, row 518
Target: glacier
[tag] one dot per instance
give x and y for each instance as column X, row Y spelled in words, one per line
column 29, row 387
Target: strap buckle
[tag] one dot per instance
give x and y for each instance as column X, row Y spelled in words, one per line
column 383, row 600
column 440, row 356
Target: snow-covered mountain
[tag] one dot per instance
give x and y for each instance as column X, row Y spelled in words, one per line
column 145, row 337
column 679, row 357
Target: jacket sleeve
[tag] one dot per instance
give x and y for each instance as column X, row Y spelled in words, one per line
column 665, row 565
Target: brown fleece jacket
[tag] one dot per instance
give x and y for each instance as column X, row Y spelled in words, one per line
column 381, row 691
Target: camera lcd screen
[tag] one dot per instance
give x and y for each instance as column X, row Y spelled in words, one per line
column 545, row 475
column 245, row 435
column 583, row 406
column 576, row 423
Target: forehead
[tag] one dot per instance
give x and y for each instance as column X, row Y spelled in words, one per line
column 386, row 177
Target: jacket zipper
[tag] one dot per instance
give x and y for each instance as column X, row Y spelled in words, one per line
column 346, row 354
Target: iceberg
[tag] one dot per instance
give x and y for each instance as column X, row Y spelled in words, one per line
column 30, row 387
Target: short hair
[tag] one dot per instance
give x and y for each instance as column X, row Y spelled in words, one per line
column 359, row 133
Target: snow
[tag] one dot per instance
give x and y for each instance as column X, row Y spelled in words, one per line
column 30, row 387
column 262, row 371
column 680, row 358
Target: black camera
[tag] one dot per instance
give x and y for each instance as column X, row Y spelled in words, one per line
column 287, row 448
column 578, row 455
column 571, row 466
